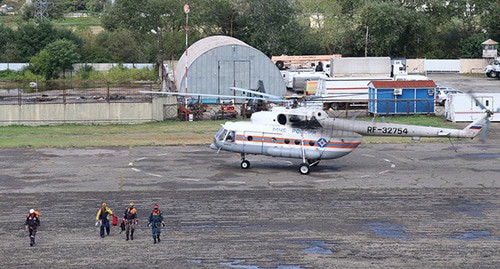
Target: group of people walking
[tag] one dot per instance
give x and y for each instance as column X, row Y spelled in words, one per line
column 128, row 222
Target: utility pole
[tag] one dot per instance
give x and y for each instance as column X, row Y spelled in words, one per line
column 366, row 42
column 41, row 9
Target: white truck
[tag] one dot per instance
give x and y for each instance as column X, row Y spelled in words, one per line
column 493, row 70
column 360, row 66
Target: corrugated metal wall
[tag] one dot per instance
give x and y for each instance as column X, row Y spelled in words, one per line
column 231, row 65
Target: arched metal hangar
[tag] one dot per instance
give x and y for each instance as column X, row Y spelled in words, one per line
column 218, row 62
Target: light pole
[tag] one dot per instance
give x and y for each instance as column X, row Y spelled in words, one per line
column 160, row 57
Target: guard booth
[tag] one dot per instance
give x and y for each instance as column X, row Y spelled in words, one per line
column 490, row 49
column 389, row 97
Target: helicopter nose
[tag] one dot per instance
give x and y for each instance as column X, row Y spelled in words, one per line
column 212, row 146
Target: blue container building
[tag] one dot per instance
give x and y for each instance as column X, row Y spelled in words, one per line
column 389, row 97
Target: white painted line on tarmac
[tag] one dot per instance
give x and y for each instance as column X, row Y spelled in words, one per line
column 387, row 160
column 383, row 172
column 366, row 155
column 190, row 179
column 162, row 154
column 234, row 182
column 154, row 175
column 324, row 180
column 280, row 182
column 142, row 158
column 393, row 165
column 135, row 169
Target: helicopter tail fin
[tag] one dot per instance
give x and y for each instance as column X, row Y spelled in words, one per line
column 473, row 129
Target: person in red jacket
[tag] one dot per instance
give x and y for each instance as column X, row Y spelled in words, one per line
column 32, row 222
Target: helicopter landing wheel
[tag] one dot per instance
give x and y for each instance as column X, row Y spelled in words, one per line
column 245, row 164
column 304, row 169
column 313, row 162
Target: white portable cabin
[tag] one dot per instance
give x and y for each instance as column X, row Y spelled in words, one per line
column 463, row 108
column 346, row 88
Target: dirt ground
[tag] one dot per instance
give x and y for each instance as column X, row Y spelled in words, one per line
column 409, row 205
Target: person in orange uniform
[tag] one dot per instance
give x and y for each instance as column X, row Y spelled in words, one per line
column 130, row 218
column 32, row 222
column 155, row 221
column 103, row 216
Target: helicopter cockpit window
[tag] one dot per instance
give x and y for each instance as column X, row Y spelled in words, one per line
column 231, row 136
column 221, row 134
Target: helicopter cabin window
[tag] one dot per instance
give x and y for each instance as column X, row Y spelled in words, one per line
column 250, row 138
column 287, row 141
column 311, row 143
column 297, row 141
column 273, row 139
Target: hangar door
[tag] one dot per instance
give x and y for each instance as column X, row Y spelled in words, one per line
column 234, row 73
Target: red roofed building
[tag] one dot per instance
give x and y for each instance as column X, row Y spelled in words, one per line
column 391, row 97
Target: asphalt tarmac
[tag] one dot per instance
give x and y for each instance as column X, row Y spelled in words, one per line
column 408, row 205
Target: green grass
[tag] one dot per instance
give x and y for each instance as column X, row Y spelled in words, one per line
column 172, row 132
column 78, row 22
column 148, row 134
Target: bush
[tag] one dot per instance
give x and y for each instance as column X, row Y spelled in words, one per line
column 84, row 72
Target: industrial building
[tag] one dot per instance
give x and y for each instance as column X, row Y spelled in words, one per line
column 213, row 64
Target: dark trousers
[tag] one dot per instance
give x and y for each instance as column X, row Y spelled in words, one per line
column 32, row 230
column 104, row 225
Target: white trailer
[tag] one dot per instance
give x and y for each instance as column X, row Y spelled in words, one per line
column 338, row 92
column 360, row 66
column 463, row 108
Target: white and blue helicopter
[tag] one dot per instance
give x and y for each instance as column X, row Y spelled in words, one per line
column 308, row 133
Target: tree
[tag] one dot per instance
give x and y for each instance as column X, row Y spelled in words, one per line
column 64, row 54
column 271, row 27
column 7, row 46
column 491, row 21
column 40, row 64
column 121, row 46
column 57, row 56
column 31, row 38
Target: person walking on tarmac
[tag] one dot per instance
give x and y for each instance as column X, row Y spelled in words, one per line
column 155, row 221
column 103, row 216
column 130, row 218
column 32, row 223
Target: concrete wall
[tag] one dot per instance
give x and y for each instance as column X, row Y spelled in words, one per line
column 91, row 113
column 466, row 66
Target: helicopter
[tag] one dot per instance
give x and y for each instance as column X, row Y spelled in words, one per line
column 306, row 131
column 309, row 133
